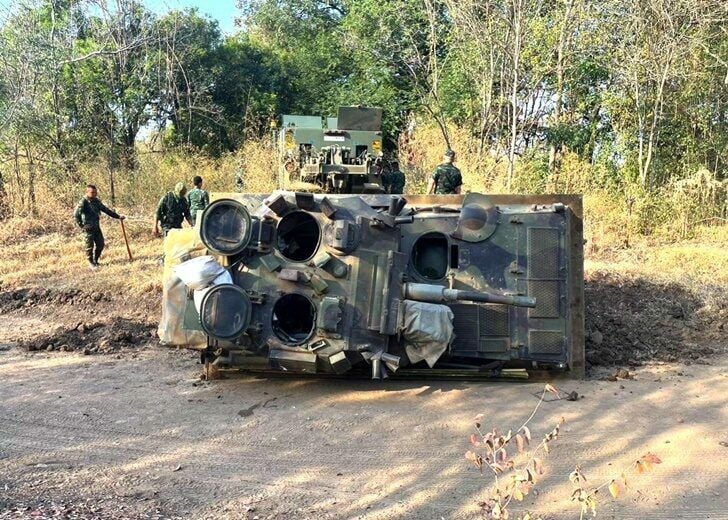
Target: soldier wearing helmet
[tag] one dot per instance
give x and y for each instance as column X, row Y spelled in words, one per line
column 447, row 178
column 172, row 210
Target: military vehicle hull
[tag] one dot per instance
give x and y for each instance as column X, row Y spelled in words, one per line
column 340, row 284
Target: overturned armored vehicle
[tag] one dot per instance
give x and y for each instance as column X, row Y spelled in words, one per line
column 352, row 283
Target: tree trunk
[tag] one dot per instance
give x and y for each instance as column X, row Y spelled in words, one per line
column 514, row 90
column 555, row 147
column 111, row 165
column 18, row 175
column 656, row 116
column 31, row 182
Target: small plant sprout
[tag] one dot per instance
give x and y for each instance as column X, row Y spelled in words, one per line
column 587, row 497
column 512, row 461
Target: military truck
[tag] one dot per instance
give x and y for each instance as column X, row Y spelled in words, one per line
column 335, row 284
column 343, row 156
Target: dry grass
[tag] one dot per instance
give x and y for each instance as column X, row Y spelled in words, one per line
column 56, row 259
column 693, row 264
column 424, row 150
column 618, row 213
column 139, row 191
column 47, row 250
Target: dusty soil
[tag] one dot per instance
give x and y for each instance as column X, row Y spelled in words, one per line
column 67, row 320
column 94, row 337
column 27, row 297
column 632, row 320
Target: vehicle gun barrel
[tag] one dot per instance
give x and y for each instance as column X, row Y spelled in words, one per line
column 435, row 293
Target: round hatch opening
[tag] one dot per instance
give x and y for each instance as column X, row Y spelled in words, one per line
column 225, row 311
column 299, row 236
column 294, row 318
column 225, row 227
column 430, row 256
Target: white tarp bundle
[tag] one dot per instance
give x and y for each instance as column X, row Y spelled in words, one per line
column 198, row 273
column 222, row 278
column 179, row 246
column 427, row 330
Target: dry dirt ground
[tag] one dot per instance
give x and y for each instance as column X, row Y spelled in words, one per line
column 129, row 431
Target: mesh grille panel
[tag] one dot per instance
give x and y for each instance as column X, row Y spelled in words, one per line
column 465, row 344
column 465, row 324
column 543, row 253
column 545, row 342
column 547, row 299
column 476, row 325
column 493, row 320
column 466, row 318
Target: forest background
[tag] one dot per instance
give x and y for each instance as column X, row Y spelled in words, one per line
column 625, row 101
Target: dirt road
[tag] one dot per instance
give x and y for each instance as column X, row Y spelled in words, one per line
column 137, row 435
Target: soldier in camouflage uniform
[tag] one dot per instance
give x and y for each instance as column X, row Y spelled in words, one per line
column 393, row 180
column 87, row 215
column 172, row 210
column 447, row 178
column 197, row 198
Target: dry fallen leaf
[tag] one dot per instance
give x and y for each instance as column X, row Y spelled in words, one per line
column 529, row 476
column 520, row 442
column 503, row 455
column 651, row 458
column 614, row 488
column 538, row 466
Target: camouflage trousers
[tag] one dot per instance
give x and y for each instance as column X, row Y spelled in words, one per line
column 94, row 244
